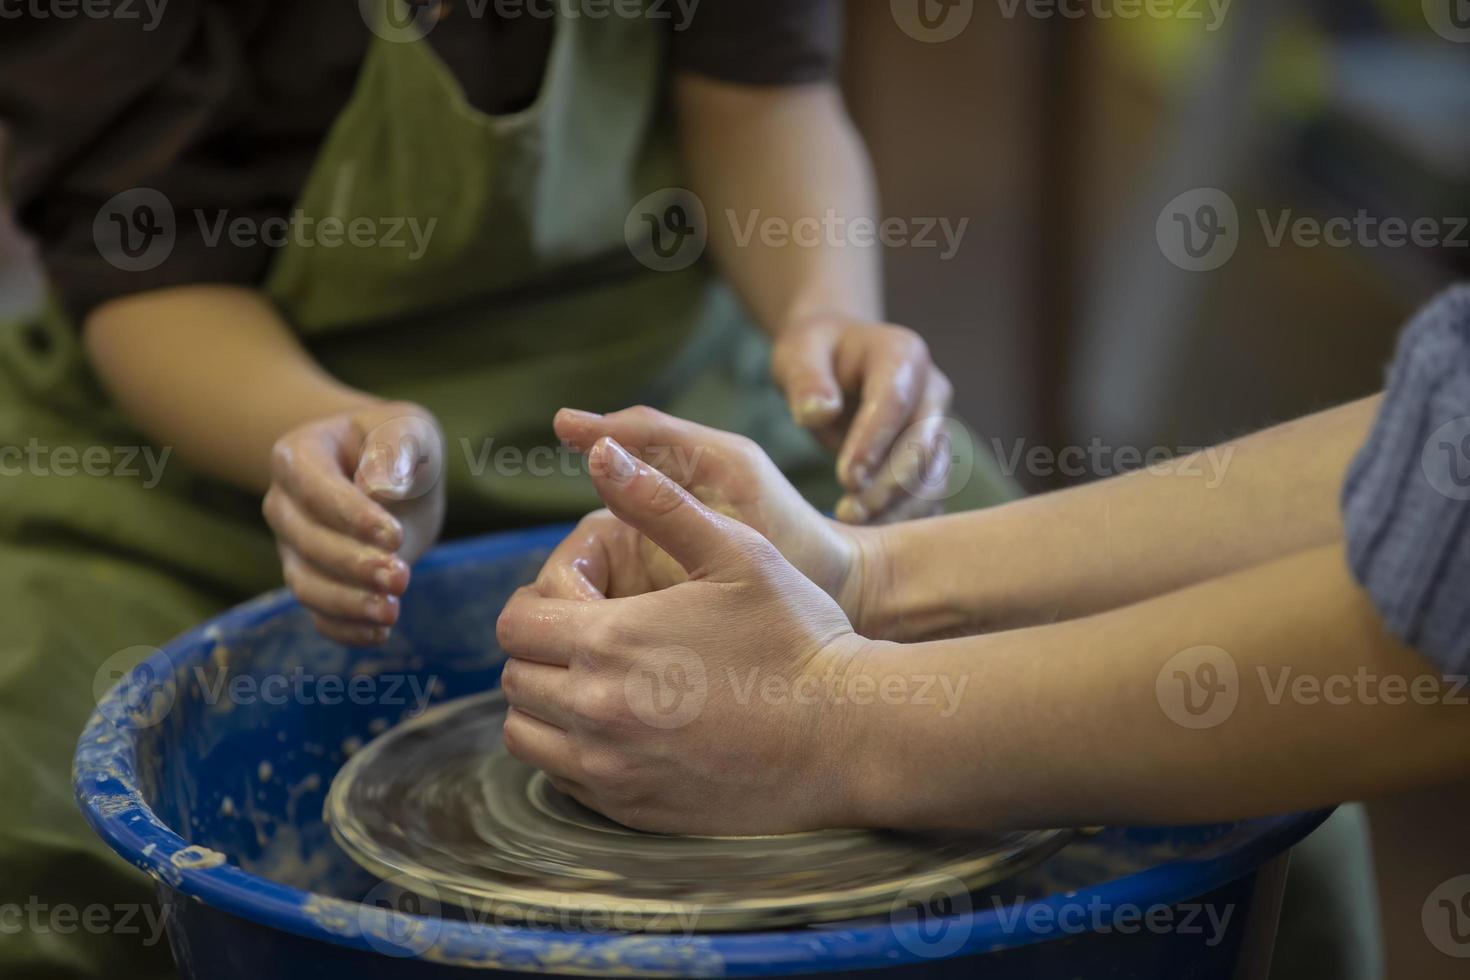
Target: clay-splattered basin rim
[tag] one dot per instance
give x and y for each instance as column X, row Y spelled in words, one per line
column 105, row 781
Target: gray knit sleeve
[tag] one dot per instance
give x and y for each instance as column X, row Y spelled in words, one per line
column 1406, row 500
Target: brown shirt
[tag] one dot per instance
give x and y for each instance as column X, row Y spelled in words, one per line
column 224, row 103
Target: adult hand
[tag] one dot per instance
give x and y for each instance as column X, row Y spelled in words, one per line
column 870, row 393
column 655, row 708
column 729, row 474
column 356, row 498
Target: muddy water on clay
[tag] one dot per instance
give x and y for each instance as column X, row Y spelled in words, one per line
column 439, row 807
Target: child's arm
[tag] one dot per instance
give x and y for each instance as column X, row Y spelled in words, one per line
column 793, row 219
column 214, row 372
column 1106, row 720
column 1080, row 551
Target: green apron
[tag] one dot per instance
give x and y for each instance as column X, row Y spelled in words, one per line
column 526, row 298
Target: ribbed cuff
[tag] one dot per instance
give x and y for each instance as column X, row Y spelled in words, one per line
column 1406, row 500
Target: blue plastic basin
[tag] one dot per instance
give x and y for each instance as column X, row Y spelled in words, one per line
column 207, row 767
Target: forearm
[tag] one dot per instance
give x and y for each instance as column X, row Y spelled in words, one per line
column 1072, row 553
column 781, row 171
column 213, row 372
column 1075, row 724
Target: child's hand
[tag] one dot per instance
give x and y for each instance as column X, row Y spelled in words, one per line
column 728, row 473
column 354, row 499
column 870, row 393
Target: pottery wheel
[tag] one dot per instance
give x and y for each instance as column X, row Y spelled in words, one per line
column 437, row 806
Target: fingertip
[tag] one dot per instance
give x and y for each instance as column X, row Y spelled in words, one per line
column 854, row 472
column 390, row 576
column 850, row 510
column 610, row 461
column 570, row 422
column 375, row 469
column 404, row 464
column 383, row 610
column 816, row 408
column 384, row 531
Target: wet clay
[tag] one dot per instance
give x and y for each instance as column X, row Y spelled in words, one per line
column 438, row 807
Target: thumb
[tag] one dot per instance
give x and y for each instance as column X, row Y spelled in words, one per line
column 802, row 364
column 706, row 544
column 401, row 459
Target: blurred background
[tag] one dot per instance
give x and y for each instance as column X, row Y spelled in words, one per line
column 1181, row 227
column 1074, row 312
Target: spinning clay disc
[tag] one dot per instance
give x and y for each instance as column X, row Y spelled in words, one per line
column 437, row 806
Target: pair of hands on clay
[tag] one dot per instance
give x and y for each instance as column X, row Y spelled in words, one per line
column 671, row 665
